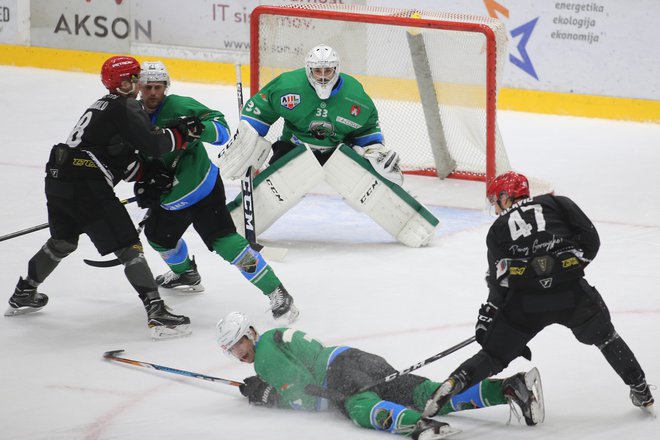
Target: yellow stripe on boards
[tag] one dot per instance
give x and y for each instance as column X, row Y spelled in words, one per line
column 568, row 104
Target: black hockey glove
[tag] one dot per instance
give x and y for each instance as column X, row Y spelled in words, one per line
column 186, row 129
column 152, row 186
column 259, row 392
column 485, row 318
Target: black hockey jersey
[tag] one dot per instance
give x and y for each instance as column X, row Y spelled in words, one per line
column 107, row 139
column 537, row 240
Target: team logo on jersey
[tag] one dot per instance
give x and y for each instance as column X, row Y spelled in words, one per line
column 290, row 101
column 355, row 110
column 321, row 129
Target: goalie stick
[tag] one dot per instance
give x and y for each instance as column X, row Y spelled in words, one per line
column 112, row 356
column 315, row 390
column 276, row 254
column 45, row 225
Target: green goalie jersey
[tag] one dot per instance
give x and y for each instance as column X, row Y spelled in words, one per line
column 195, row 174
column 348, row 115
column 289, row 360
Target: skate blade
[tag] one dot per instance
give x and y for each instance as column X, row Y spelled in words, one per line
column 444, row 432
column 533, row 383
column 182, row 290
column 289, row 316
column 160, row 332
column 648, row 410
column 11, row 311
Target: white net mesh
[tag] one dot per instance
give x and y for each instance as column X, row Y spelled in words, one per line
column 383, row 58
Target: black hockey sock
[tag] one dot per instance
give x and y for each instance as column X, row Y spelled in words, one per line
column 138, row 274
column 47, row 258
column 622, row 359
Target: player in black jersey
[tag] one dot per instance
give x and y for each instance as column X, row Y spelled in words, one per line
column 537, row 251
column 81, row 173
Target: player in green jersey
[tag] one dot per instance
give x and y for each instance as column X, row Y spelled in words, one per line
column 294, row 370
column 331, row 132
column 197, row 197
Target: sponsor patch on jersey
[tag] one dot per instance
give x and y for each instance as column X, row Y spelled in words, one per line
column 348, row 122
column 290, row 101
column 355, row 110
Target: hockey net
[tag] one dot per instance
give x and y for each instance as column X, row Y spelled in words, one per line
column 433, row 76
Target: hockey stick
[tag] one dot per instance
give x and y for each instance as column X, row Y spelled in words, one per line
column 112, row 356
column 272, row 253
column 318, row 391
column 45, row 225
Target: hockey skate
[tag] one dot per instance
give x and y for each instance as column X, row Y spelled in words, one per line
column 25, row 299
column 163, row 324
column 429, row 429
column 453, row 385
column 525, row 391
column 641, row 397
column 187, row 282
column 281, row 304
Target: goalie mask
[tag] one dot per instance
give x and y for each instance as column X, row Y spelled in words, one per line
column 154, row 71
column 322, row 67
column 231, row 329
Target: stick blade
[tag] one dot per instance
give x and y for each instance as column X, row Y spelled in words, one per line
column 112, row 353
column 109, row 263
column 274, row 253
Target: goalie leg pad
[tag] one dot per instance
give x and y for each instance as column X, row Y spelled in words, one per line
column 279, row 188
column 385, row 202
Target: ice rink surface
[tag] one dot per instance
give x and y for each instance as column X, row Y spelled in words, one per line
column 351, row 281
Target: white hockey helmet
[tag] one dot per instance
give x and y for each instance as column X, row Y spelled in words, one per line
column 154, row 71
column 322, row 57
column 231, row 329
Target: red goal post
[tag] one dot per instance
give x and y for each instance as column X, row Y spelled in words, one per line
column 433, row 76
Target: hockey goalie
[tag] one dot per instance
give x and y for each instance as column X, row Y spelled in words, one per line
column 331, row 133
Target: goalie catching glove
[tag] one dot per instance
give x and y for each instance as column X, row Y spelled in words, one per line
column 246, row 149
column 184, row 130
column 259, row 392
column 384, row 160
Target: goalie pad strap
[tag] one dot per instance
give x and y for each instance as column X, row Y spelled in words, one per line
column 279, row 188
column 385, row 202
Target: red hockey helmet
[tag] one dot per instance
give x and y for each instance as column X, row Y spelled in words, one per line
column 513, row 184
column 118, row 69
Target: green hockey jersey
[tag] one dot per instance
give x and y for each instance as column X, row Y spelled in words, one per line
column 348, row 115
column 195, row 174
column 290, row 360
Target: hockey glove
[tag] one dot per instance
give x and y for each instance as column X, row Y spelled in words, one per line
column 258, row 392
column 152, row 186
column 186, row 129
column 485, row 318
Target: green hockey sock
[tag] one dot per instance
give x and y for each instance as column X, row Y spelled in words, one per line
column 368, row 410
column 236, row 250
column 177, row 259
column 488, row 392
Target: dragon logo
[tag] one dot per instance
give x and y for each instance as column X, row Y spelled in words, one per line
column 321, row 129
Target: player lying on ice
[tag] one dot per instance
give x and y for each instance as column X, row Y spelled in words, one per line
column 331, row 133
column 294, row 370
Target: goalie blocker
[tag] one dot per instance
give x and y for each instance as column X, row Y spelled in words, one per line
column 282, row 185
